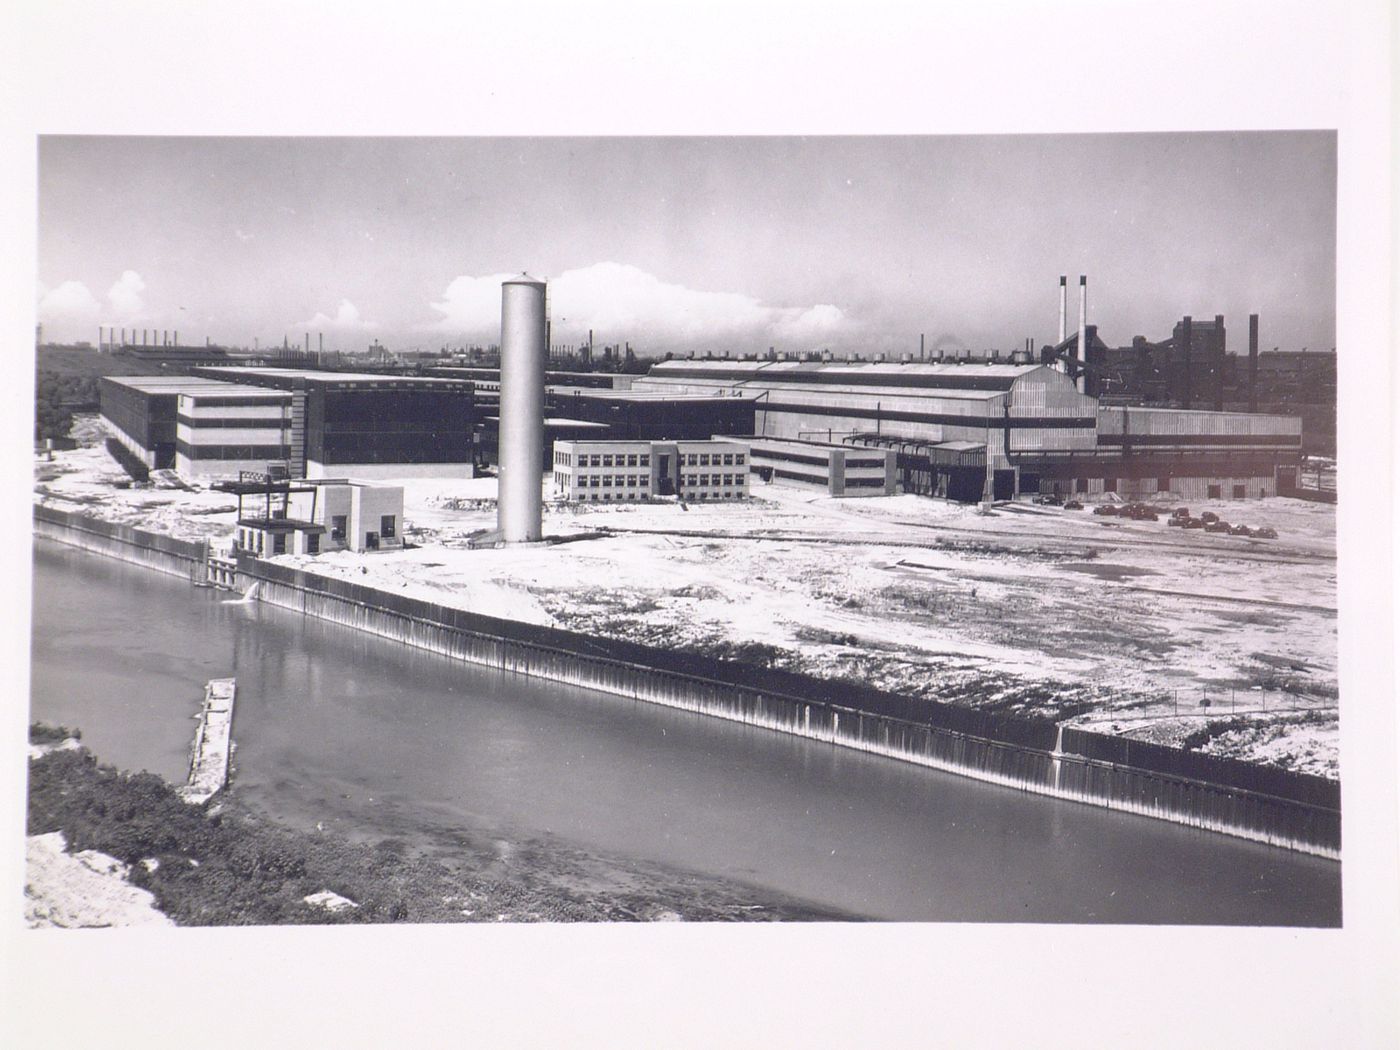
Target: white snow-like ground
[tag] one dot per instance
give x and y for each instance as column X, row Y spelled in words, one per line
column 1025, row 608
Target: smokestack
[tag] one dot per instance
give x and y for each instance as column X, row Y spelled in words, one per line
column 1253, row 362
column 521, row 453
column 177, row 338
column 143, row 337
column 123, row 337
column 320, row 343
column 1217, row 365
column 921, row 346
column 1083, row 352
column 1064, row 293
column 1184, row 351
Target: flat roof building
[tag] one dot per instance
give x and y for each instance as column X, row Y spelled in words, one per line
column 622, row 471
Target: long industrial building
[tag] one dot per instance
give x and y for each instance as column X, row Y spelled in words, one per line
column 365, row 425
column 994, row 430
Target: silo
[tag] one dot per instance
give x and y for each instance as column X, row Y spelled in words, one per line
column 521, row 448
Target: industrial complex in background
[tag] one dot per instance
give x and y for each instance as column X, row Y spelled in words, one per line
column 1181, row 417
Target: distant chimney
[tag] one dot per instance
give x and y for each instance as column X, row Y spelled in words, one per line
column 1064, row 293
column 1184, row 363
column 1253, row 362
column 1217, row 369
column 921, row 346
column 1083, row 351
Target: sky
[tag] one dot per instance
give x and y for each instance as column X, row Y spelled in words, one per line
column 680, row 244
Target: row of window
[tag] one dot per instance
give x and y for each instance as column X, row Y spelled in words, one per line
column 1081, row 485
column 594, row 497
column 605, row 481
column 694, row 480
column 631, row 459
column 706, row 459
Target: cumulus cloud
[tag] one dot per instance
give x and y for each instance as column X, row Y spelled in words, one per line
column 69, row 302
column 621, row 302
column 347, row 319
column 125, row 295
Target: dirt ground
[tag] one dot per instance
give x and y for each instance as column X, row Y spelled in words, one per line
column 1224, row 643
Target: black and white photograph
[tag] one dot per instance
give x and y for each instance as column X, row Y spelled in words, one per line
column 570, row 529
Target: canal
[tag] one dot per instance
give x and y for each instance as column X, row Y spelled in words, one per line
column 366, row 736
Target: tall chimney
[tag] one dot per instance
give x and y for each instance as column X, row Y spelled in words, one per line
column 519, row 515
column 1064, row 306
column 320, row 343
column 1184, row 356
column 921, row 346
column 1083, row 351
column 176, row 340
column 123, row 337
column 1217, row 365
column 1253, row 362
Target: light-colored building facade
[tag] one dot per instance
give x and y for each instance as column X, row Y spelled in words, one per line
column 322, row 517
column 623, row 471
column 838, row 470
column 222, row 431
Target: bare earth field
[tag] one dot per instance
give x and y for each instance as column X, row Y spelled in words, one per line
column 1223, row 643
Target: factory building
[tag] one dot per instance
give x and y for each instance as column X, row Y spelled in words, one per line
column 144, row 413
column 229, row 428
column 837, row 470
column 298, row 517
column 981, row 407
column 613, row 471
column 977, row 431
column 588, row 413
column 370, row 426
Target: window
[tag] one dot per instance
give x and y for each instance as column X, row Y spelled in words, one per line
column 607, row 481
column 1164, row 484
column 632, row 460
column 313, row 543
column 607, row 461
column 386, row 526
column 728, row 459
column 692, row 459
column 593, row 482
column 645, row 459
column 1081, row 484
column 631, row 481
column 704, row 459
column 1212, row 492
column 1239, row 492
column 739, row 458
column 1110, row 484
column 279, row 543
column 338, row 527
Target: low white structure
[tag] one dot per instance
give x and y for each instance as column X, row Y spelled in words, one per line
column 315, row 517
column 838, row 470
column 613, row 471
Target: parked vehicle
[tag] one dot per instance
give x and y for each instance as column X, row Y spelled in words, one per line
column 1241, row 530
column 1181, row 512
column 1193, row 523
column 1176, row 522
column 1218, row 526
column 1265, row 533
column 1210, row 517
column 1048, row 500
column 1107, row 510
column 1073, row 504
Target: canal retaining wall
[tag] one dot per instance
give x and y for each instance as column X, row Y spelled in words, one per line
column 1293, row 810
column 153, row 550
column 1268, row 805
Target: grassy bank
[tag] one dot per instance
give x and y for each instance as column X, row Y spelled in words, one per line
column 224, row 863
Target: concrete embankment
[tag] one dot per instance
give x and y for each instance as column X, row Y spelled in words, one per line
column 213, row 743
column 1286, row 809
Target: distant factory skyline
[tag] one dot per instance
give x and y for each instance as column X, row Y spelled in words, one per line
column 679, row 244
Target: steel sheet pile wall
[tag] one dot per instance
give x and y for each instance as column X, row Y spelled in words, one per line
column 1030, row 754
column 152, row 549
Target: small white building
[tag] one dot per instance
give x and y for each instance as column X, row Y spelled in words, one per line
column 299, row 517
column 838, row 470
column 623, row 471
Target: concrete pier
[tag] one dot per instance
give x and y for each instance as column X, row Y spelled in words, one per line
column 213, row 743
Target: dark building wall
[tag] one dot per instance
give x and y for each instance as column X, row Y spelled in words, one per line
column 147, row 418
column 658, row 419
column 388, row 425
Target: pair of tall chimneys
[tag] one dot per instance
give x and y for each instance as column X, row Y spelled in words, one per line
column 1081, row 347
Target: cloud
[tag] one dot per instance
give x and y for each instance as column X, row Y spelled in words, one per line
column 125, row 295
column 69, row 302
column 621, row 302
column 347, row 319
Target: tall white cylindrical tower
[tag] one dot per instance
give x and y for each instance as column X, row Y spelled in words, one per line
column 521, row 450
